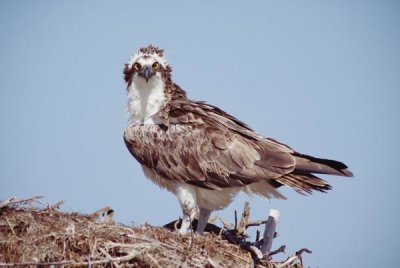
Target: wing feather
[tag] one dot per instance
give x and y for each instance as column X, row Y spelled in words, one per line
column 204, row 146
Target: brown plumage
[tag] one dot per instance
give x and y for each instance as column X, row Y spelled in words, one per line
column 213, row 150
column 198, row 144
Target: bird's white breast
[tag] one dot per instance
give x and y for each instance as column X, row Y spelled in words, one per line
column 145, row 99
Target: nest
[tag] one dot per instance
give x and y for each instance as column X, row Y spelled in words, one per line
column 42, row 237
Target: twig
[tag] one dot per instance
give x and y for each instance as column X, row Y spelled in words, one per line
column 156, row 242
column 191, row 241
column 255, row 223
column 89, row 260
column 281, row 249
column 256, row 251
column 128, row 257
column 212, row 263
column 288, row 261
column 257, row 235
column 108, row 256
column 213, row 218
column 13, row 200
column 235, row 228
column 11, row 264
column 130, row 246
column 294, row 259
column 93, row 247
column 301, row 251
column 12, row 230
column 56, row 205
column 226, row 224
column 236, row 256
column 155, row 262
column 7, row 201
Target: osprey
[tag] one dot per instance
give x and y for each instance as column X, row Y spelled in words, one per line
column 202, row 154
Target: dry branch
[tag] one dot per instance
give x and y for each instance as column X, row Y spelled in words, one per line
column 269, row 232
column 281, row 249
column 241, row 230
column 13, row 200
column 56, row 205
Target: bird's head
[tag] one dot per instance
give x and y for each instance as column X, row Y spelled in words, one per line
column 148, row 64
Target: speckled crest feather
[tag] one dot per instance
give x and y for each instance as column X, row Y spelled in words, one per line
column 149, row 51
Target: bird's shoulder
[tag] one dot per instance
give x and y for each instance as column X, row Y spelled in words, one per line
column 200, row 114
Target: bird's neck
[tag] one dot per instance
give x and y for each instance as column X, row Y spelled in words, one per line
column 145, row 99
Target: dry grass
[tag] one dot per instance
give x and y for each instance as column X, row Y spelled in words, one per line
column 45, row 237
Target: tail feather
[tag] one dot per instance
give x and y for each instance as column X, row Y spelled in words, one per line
column 305, row 183
column 310, row 164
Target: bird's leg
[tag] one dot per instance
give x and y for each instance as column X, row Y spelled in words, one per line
column 186, row 195
column 186, row 222
column 203, row 219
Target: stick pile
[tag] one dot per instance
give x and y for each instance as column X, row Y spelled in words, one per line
column 41, row 235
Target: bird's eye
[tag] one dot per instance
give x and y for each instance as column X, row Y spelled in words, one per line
column 137, row 66
column 156, row 65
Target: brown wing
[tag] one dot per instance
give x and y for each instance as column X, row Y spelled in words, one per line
column 201, row 145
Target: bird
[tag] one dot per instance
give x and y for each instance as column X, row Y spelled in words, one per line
column 202, row 154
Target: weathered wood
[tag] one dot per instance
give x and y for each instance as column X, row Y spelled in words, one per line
column 281, row 249
column 260, row 250
column 269, row 231
column 56, row 205
column 241, row 229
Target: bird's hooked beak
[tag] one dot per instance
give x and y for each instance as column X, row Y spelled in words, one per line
column 147, row 72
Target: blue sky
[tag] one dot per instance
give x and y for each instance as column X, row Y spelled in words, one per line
column 321, row 76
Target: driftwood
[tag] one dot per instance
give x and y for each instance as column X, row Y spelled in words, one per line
column 260, row 249
column 269, row 232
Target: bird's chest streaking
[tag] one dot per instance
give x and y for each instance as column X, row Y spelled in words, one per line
column 144, row 100
column 170, row 152
column 168, row 158
column 152, row 144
